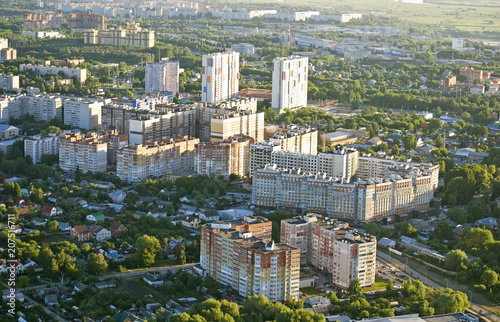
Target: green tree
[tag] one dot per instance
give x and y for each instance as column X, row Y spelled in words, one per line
column 181, row 255
column 454, row 259
column 354, row 290
column 443, row 231
column 97, row 264
column 52, row 226
column 147, row 249
column 451, row 301
column 489, row 278
column 410, row 142
column 51, row 129
column 24, row 281
column 475, row 237
column 13, row 189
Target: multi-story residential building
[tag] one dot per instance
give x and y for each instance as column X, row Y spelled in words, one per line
column 8, row 54
column 220, row 76
column 83, row 114
column 87, row 20
column 297, row 139
column 363, row 200
column 80, row 73
column 339, row 163
column 246, row 106
column 9, row 82
column 43, row 107
column 246, row 123
column 354, row 257
column 85, row 152
column 138, row 162
column 8, row 132
column 472, row 75
column 115, row 141
column 132, row 35
column 230, row 156
column 289, row 83
column 323, row 243
column 244, row 49
column 260, row 154
column 162, row 77
column 240, row 254
column 36, row 146
column 173, row 122
column 41, row 21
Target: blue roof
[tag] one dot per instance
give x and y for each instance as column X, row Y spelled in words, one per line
column 4, row 127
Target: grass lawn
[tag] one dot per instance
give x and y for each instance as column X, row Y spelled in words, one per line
column 379, row 285
column 312, row 292
column 166, row 262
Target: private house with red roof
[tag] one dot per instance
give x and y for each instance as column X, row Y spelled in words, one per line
column 49, row 211
column 117, row 228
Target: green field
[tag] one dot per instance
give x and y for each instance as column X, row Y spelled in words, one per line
column 380, row 284
column 312, row 292
column 466, row 15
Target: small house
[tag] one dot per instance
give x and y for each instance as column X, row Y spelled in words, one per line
column 96, row 217
column 117, row 228
column 152, row 279
column 49, row 211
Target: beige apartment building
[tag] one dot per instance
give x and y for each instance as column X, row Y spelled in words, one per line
column 85, row 152
column 138, row 162
column 240, row 254
column 322, row 242
column 297, row 139
column 225, row 157
column 132, row 35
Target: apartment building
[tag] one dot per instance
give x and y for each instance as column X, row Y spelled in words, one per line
column 260, row 154
column 339, row 163
column 162, row 77
column 231, row 108
column 244, row 49
column 289, row 83
column 137, row 162
column 220, row 74
column 173, row 122
column 354, row 257
column 323, row 243
column 80, row 73
column 37, row 145
column 82, row 114
column 41, row 21
column 87, row 20
column 8, row 54
column 43, row 107
column 247, row 123
column 297, row 139
column 241, row 254
column 85, row 152
column 225, row 157
column 9, row 82
column 115, row 140
column 132, row 35
column 362, row 200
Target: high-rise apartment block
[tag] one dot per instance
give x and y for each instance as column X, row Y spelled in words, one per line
column 231, row 156
column 289, row 83
column 132, row 35
column 220, row 76
column 241, row 254
column 297, row 139
column 9, row 82
column 7, row 53
column 138, row 162
column 37, row 145
column 260, row 154
column 82, row 114
column 87, row 20
column 43, row 107
column 162, row 77
column 397, row 193
column 339, row 163
column 85, row 152
column 80, row 73
column 168, row 125
column 41, row 21
column 115, row 141
column 323, row 243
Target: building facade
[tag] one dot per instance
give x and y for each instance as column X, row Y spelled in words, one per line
column 363, row 200
column 41, row 21
column 9, row 82
column 36, row 146
column 230, row 156
column 220, row 74
column 260, row 154
column 138, row 162
column 87, row 20
column 323, row 243
column 241, row 254
column 132, row 35
column 162, row 77
column 244, row 49
column 297, row 139
column 83, row 114
column 85, row 152
column 289, row 83
column 80, row 73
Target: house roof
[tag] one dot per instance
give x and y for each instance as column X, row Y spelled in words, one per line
column 5, row 127
column 80, row 229
column 116, row 225
column 98, row 216
column 47, row 209
column 189, row 218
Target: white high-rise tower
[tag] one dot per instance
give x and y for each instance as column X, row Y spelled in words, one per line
column 163, row 76
column 220, row 76
column 289, row 82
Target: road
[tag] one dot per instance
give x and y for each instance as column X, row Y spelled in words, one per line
column 142, row 272
column 488, row 315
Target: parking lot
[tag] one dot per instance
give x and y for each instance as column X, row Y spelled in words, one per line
column 386, row 272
